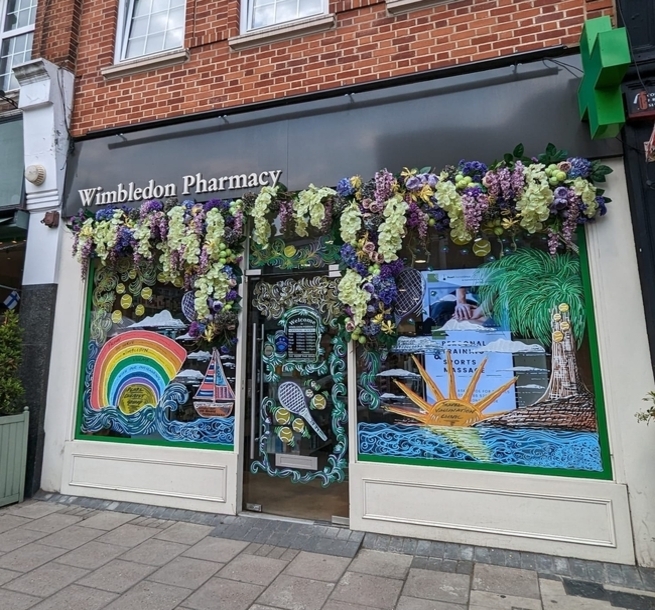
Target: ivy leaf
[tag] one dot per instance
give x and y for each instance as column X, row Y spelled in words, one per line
column 518, row 151
column 509, row 158
column 425, row 170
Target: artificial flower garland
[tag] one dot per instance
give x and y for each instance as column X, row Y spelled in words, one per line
column 200, row 245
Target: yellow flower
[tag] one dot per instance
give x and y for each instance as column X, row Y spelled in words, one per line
column 406, row 173
column 378, row 319
column 426, row 193
column 388, row 327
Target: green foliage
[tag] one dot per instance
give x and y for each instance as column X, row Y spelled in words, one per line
column 528, row 285
column 11, row 388
column 649, row 413
column 552, row 155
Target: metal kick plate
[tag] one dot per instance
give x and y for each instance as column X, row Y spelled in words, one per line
column 289, row 460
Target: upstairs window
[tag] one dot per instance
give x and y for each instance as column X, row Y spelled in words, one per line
column 16, row 33
column 151, row 26
column 265, row 13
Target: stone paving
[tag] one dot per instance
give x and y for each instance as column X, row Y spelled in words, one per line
column 81, row 554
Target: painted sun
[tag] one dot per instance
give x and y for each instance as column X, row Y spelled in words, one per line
column 451, row 410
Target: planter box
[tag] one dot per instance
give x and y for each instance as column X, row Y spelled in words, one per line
column 13, row 456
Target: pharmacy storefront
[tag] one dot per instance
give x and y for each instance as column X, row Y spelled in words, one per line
column 344, row 310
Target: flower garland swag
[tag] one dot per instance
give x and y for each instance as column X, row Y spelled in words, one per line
column 550, row 194
column 194, row 246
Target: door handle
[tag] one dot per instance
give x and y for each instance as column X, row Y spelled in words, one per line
column 253, row 389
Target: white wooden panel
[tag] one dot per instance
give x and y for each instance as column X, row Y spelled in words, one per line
column 575, row 518
column 180, row 478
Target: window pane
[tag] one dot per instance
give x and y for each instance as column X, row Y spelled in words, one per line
column 263, row 16
column 15, row 51
column 310, row 7
column 286, row 10
column 20, row 13
column 156, row 25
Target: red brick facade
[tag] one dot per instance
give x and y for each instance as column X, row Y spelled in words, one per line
column 367, row 44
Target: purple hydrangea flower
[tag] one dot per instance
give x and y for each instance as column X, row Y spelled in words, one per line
column 345, row 188
column 580, row 168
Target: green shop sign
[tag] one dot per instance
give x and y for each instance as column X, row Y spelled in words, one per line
column 605, row 59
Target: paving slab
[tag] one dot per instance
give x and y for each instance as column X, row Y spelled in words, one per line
column 117, row 576
column 128, row 535
column 34, row 510
column 8, row 575
column 18, row 537
column 294, row 593
column 335, row 605
column 379, row 563
column 317, row 566
column 155, row 552
column 91, row 555
column 508, row 581
column 10, row 600
column 107, row 520
column 216, row 549
column 186, row 572
column 150, row 596
column 52, row 523
column 46, row 580
column 499, row 601
column 415, row 603
column 185, row 533
column 30, row 556
column 8, row 521
column 233, row 595
column 366, row 589
column 71, row 537
column 75, row 597
column 439, row 586
column 253, row 569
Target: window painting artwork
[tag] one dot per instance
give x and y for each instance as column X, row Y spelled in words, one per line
column 494, row 368
column 147, row 379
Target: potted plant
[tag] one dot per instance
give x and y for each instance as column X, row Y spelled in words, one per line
column 14, row 418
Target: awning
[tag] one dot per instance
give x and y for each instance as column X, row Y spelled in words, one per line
column 11, row 162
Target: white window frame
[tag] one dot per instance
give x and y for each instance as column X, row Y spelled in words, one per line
column 28, row 29
column 246, row 18
column 125, row 10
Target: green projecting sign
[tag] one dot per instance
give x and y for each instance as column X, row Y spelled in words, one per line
column 605, row 59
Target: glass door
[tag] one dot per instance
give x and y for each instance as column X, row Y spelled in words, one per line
column 296, row 432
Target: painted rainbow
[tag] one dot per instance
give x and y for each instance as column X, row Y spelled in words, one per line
column 133, row 369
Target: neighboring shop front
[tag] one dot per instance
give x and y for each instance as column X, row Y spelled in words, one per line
column 461, row 391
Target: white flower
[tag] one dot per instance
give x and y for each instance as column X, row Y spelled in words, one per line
column 310, row 203
column 392, row 230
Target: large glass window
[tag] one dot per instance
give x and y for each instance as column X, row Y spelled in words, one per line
column 494, row 367
column 16, row 34
column 152, row 26
column 146, row 379
column 262, row 13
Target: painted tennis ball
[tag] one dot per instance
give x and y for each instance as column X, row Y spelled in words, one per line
column 161, row 278
column 126, row 301
column 565, row 326
column 120, row 289
column 139, row 310
column 557, row 317
column 481, row 247
column 282, row 416
column 558, row 336
column 289, row 251
column 116, row 317
column 563, row 307
column 460, row 242
column 319, row 402
column 132, row 274
column 285, row 435
column 298, row 425
column 146, row 293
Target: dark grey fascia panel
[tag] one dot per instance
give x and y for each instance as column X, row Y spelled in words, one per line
column 432, row 123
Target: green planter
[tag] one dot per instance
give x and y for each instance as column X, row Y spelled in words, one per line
column 13, row 456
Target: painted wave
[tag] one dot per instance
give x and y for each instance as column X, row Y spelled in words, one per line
column 511, row 447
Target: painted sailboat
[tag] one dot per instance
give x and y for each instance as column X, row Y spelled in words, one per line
column 214, row 397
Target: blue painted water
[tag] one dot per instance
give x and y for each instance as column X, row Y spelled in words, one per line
column 510, row 447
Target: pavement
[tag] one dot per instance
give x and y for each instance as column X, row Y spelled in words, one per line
column 67, row 553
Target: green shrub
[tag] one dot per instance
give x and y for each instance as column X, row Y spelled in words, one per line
column 11, row 388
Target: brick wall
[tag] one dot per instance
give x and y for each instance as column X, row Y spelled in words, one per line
column 367, row 44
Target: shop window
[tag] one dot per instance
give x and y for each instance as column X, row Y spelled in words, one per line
column 495, row 366
column 147, row 378
column 16, row 33
column 266, row 13
column 150, row 27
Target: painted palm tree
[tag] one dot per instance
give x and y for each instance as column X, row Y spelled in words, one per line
column 543, row 296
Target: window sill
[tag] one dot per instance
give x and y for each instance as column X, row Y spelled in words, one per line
column 143, row 64
column 283, row 31
column 398, row 7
